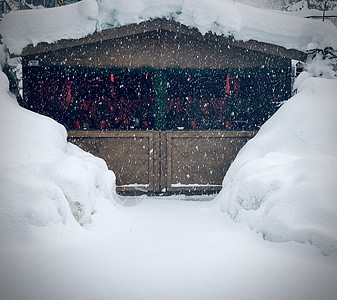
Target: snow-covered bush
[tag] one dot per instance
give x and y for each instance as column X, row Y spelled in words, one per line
column 282, row 183
column 43, row 179
column 321, row 62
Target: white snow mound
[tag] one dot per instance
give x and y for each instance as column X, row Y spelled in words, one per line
column 222, row 17
column 23, row 27
column 43, row 179
column 283, row 182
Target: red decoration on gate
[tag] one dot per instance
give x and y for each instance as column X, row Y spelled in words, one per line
column 189, row 98
column 227, row 91
column 85, row 105
column 112, row 78
column 41, row 95
column 68, row 98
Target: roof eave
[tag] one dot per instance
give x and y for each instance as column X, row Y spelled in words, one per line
column 155, row 25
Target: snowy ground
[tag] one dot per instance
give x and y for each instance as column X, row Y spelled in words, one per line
column 165, row 248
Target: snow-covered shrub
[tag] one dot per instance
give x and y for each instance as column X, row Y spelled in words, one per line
column 44, row 180
column 282, row 183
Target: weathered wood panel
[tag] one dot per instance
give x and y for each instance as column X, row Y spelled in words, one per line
column 133, row 156
column 165, row 161
column 198, row 161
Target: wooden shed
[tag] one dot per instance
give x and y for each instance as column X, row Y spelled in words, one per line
column 166, row 107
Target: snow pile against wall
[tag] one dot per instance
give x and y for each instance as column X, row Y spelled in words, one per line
column 283, row 182
column 225, row 17
column 44, row 180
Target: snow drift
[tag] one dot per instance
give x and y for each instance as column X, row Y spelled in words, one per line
column 44, row 180
column 283, row 182
column 222, row 17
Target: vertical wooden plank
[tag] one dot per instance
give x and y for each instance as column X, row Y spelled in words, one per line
column 160, row 94
column 168, row 160
column 156, row 161
column 163, row 161
column 150, row 162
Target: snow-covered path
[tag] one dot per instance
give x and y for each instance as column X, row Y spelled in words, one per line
column 165, row 248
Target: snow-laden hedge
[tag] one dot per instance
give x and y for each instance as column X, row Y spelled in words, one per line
column 283, row 182
column 43, row 179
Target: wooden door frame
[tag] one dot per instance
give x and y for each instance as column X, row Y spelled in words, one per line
column 157, row 155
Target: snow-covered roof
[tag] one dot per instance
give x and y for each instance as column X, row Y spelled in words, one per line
column 222, row 17
column 161, row 26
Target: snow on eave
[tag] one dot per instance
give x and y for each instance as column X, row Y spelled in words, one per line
column 221, row 17
column 160, row 24
column 23, row 27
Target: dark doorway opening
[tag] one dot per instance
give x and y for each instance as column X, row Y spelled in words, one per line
column 137, row 99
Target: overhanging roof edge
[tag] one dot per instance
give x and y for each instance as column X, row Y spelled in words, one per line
column 155, row 25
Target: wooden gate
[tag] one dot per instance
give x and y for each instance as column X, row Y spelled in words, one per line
column 164, row 161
